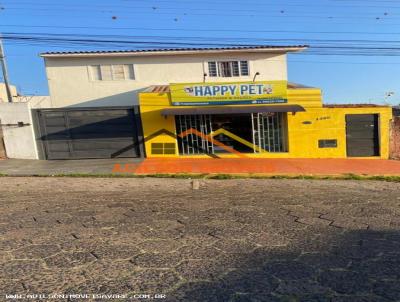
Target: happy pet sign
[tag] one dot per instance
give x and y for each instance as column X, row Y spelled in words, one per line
column 197, row 94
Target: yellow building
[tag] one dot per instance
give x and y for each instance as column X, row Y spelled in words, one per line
column 266, row 119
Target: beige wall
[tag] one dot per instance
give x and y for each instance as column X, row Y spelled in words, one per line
column 3, row 92
column 70, row 83
column 35, row 101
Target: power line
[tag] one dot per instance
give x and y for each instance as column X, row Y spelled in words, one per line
column 117, row 8
column 199, row 29
column 185, row 14
column 224, row 3
column 202, row 38
column 320, row 47
column 193, row 12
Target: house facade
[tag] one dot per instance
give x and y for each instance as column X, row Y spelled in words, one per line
column 92, row 79
column 209, row 102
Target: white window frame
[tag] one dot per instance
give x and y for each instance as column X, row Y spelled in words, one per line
column 92, row 77
column 228, row 60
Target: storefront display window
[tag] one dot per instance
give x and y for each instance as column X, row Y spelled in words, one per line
column 245, row 133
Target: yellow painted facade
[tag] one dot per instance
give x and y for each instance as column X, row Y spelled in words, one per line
column 304, row 129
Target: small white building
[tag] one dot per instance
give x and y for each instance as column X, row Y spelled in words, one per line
column 16, row 131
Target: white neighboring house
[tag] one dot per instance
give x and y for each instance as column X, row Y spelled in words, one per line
column 114, row 78
column 35, row 101
column 18, row 134
column 16, row 122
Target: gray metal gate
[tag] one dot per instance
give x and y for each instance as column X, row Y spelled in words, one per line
column 193, row 144
column 362, row 135
column 77, row 133
column 269, row 131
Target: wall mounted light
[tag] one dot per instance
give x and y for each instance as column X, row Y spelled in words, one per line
column 256, row 74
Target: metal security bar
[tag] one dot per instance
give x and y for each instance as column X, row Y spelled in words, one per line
column 192, row 143
column 269, row 131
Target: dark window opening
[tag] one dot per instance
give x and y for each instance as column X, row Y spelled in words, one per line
column 327, row 143
column 238, row 125
column 245, row 133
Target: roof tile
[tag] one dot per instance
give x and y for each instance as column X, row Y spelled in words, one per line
column 175, row 49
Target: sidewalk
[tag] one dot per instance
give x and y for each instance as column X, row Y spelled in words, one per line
column 27, row 167
column 271, row 166
column 318, row 167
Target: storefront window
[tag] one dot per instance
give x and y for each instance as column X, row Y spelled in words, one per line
column 193, row 131
column 270, row 131
column 234, row 131
column 245, row 133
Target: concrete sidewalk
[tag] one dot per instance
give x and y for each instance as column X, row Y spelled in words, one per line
column 19, row 167
column 272, row 166
column 318, row 167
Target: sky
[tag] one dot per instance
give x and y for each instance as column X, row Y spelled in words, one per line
column 353, row 57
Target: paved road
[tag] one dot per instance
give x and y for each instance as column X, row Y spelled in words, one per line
column 233, row 240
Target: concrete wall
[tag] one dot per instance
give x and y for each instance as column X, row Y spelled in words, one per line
column 395, row 138
column 70, row 83
column 19, row 141
column 330, row 123
column 35, row 101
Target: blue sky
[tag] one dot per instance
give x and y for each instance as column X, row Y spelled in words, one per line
column 358, row 29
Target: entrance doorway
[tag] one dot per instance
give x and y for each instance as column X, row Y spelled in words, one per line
column 239, row 125
column 362, row 135
column 245, row 133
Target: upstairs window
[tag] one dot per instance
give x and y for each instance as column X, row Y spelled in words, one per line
column 244, row 68
column 112, row 72
column 228, row 69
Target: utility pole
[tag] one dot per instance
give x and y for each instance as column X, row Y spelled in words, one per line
column 5, row 73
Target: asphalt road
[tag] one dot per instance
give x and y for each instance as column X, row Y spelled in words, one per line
column 230, row 240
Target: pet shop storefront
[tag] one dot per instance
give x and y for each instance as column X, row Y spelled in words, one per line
column 274, row 119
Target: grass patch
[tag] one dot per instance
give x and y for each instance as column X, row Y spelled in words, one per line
column 308, row 177
column 386, row 178
column 178, row 175
column 221, row 176
column 353, row 176
column 225, row 176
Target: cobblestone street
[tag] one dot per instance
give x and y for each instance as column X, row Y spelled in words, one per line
column 230, row 240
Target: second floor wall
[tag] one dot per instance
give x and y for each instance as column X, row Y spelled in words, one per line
column 116, row 80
